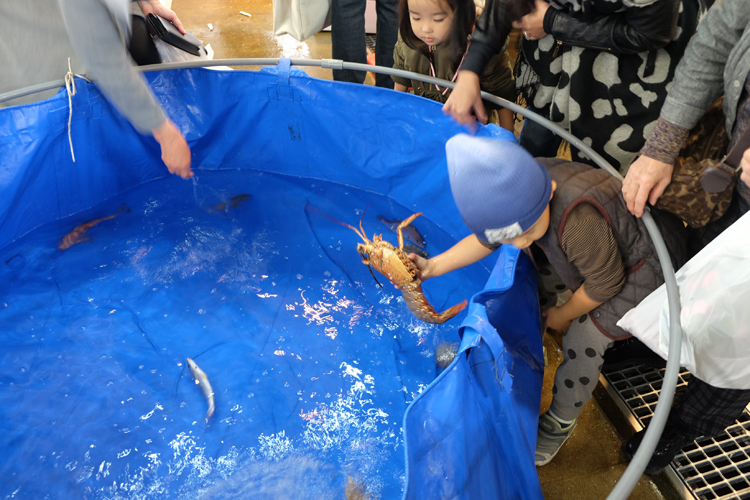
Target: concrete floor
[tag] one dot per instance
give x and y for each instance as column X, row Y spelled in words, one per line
column 590, row 463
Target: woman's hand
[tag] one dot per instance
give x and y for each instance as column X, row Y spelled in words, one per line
column 532, row 24
column 175, row 152
column 646, row 180
column 554, row 320
column 465, row 101
column 156, row 8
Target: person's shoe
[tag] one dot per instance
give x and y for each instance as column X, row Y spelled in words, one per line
column 552, row 435
column 631, row 351
column 669, row 445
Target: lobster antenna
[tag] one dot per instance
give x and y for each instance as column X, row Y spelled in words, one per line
column 360, row 224
column 373, row 276
column 317, row 211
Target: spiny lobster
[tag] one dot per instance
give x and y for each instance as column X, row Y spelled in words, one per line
column 394, row 264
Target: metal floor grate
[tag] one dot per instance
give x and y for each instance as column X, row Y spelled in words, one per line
column 708, row 469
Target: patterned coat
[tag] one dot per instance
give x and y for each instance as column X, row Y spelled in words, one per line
column 603, row 71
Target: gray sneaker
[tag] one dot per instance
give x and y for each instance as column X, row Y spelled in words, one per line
column 552, row 435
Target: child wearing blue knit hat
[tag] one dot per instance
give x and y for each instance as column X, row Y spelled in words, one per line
column 577, row 216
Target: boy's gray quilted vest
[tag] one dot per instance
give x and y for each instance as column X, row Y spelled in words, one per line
column 579, row 183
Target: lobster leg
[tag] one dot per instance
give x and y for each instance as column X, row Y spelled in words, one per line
column 403, row 224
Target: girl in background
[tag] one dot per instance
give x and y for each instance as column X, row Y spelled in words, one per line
column 433, row 40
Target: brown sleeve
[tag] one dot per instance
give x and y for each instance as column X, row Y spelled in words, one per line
column 590, row 246
column 399, row 62
column 665, row 142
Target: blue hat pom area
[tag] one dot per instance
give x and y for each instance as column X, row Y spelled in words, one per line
column 500, row 190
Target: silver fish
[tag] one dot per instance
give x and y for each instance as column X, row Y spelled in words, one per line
column 202, row 380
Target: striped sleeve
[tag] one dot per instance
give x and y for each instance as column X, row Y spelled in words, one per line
column 590, row 246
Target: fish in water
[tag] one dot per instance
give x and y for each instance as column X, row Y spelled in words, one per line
column 78, row 234
column 409, row 248
column 410, row 232
column 356, row 491
column 202, row 380
column 233, row 202
column 445, row 353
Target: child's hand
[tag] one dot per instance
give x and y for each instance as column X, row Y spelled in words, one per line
column 554, row 320
column 422, row 264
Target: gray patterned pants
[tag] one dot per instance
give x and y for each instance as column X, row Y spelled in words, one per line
column 583, row 350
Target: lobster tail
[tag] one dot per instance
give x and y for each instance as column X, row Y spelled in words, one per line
column 449, row 313
column 418, row 305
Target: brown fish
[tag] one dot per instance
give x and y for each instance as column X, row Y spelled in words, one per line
column 233, row 202
column 410, row 232
column 78, row 233
column 409, row 248
column 356, row 491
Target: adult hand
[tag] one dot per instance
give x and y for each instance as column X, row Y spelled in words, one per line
column 646, row 181
column 554, row 320
column 466, row 99
column 156, row 8
column 532, row 24
column 175, row 152
column 745, row 165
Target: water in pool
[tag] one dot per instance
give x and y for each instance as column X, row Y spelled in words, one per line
column 311, row 364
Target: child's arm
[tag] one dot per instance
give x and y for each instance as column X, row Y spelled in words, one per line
column 466, row 252
column 559, row 318
column 399, row 62
column 506, row 119
column 589, row 243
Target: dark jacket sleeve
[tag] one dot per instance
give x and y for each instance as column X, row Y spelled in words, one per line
column 637, row 29
column 489, row 37
column 498, row 80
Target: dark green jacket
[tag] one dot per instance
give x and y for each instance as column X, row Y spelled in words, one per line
column 497, row 78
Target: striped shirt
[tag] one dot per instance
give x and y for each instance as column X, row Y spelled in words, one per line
column 590, row 246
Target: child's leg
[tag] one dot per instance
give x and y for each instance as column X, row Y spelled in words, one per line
column 576, row 377
column 549, row 285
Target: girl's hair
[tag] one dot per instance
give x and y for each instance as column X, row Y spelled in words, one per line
column 464, row 15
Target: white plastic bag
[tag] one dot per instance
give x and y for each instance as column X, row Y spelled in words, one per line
column 301, row 18
column 715, row 294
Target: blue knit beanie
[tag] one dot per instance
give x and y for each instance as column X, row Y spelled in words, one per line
column 500, row 190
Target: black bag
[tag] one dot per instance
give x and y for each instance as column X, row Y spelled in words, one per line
column 170, row 34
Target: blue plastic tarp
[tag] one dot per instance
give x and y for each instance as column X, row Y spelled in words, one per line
column 282, row 122
column 462, row 430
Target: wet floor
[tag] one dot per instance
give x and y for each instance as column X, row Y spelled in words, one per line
column 590, row 463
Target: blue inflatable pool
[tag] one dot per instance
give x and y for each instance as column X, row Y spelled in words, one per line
column 324, row 385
